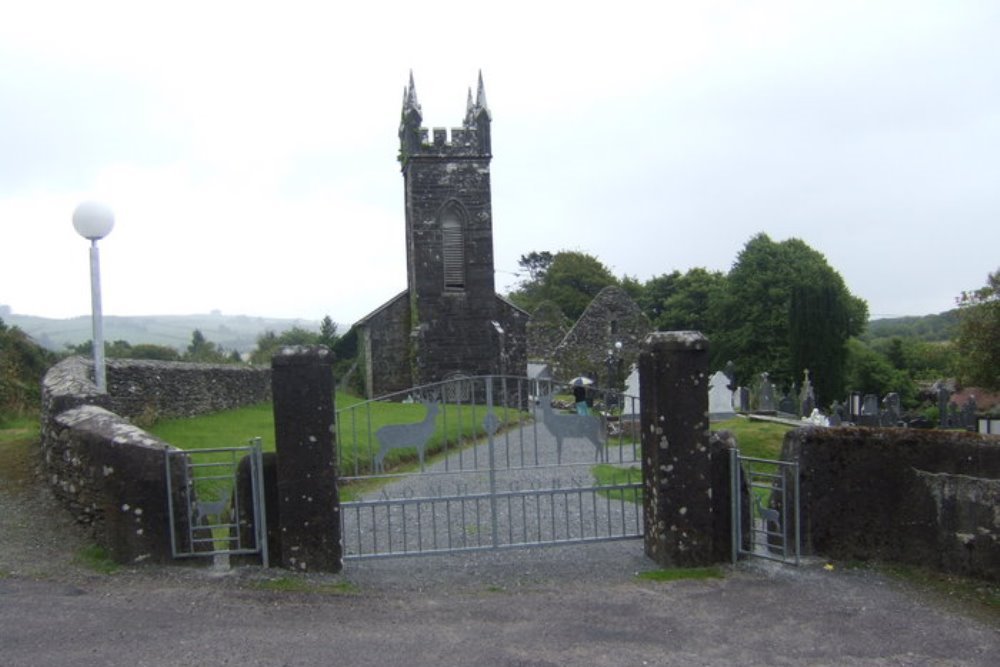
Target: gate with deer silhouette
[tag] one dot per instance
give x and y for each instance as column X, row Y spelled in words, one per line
column 488, row 462
column 765, row 509
column 216, row 502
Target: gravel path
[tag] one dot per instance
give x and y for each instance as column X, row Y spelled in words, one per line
column 536, row 493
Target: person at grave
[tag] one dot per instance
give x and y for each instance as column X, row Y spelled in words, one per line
column 580, row 396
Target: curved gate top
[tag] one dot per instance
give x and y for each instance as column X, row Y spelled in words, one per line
column 487, row 462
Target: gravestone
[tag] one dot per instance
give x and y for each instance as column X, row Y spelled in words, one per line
column 943, row 398
column 787, row 405
column 765, row 399
column 720, row 397
column 869, row 411
column 807, row 397
column 836, row 417
column 742, row 399
column 968, row 415
column 893, row 409
column 854, row 406
column 954, row 418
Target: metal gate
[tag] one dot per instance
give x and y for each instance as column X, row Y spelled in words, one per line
column 211, row 512
column 765, row 498
column 487, row 462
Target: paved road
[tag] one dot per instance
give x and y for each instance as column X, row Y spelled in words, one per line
column 562, row 606
column 577, row 605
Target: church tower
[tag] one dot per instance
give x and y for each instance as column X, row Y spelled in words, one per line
column 449, row 322
column 449, row 242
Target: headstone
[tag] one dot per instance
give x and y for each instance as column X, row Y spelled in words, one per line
column 943, row 398
column 836, row 414
column 954, row 419
column 893, row 409
column 969, row 414
column 742, row 399
column 766, row 396
column 720, row 397
column 632, row 398
column 854, row 406
column 869, row 411
column 807, row 397
column 787, row 405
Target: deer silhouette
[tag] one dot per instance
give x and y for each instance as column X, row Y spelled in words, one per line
column 571, row 426
column 403, row 436
column 767, row 514
column 204, row 510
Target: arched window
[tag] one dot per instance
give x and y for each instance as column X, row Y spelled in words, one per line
column 453, row 251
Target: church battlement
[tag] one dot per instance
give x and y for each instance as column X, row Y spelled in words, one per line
column 470, row 140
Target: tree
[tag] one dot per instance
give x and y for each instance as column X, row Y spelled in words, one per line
column 327, row 333
column 571, row 280
column 677, row 302
column 121, row 349
column 870, row 372
column 818, row 333
column 203, row 350
column 22, row 365
column 536, row 264
column 268, row 343
column 978, row 340
column 761, row 329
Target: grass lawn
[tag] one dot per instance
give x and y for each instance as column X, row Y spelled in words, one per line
column 356, row 420
column 18, row 443
column 456, row 428
column 755, row 438
column 759, row 439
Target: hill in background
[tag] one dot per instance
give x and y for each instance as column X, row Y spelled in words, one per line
column 230, row 332
column 928, row 328
column 240, row 332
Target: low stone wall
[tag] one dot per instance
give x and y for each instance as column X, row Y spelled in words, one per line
column 108, row 472
column 923, row 497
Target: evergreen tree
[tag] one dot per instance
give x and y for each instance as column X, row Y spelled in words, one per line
column 328, row 333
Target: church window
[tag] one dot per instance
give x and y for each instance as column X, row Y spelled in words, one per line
column 453, row 252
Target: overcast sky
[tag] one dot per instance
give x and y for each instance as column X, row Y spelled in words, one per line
column 248, row 149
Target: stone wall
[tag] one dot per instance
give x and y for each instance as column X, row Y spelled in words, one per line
column 611, row 317
column 110, row 473
column 923, row 497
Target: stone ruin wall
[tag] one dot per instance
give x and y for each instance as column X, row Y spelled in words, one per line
column 108, row 472
column 928, row 498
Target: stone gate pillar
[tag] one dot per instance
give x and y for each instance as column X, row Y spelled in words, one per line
column 304, row 421
column 676, row 460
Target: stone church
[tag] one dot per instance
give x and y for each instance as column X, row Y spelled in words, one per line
column 449, row 322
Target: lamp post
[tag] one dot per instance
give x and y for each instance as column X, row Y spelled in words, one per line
column 94, row 221
column 613, row 361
